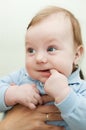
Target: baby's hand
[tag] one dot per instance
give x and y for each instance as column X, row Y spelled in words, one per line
column 27, row 95
column 57, row 86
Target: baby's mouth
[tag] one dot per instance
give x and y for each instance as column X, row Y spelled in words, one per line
column 47, row 70
column 44, row 73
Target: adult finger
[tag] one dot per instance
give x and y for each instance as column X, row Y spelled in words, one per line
column 49, row 117
column 43, row 126
column 54, row 117
column 46, row 98
column 47, row 108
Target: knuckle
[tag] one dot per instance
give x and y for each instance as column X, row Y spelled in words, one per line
column 38, row 124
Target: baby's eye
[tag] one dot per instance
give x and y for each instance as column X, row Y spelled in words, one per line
column 51, row 49
column 31, row 50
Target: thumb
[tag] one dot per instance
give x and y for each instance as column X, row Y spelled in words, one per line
column 53, row 71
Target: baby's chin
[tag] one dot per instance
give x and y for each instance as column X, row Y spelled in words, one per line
column 43, row 80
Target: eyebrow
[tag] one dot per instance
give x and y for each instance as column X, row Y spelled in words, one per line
column 27, row 42
column 51, row 40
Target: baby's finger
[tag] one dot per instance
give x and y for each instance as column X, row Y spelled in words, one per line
column 34, row 87
column 12, row 84
column 31, row 106
column 34, row 100
column 53, row 71
column 38, row 98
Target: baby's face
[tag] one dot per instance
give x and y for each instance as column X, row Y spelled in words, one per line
column 50, row 45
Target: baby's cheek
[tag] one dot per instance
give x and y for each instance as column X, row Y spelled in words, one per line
column 62, row 68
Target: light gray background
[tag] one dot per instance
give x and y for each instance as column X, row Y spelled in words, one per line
column 14, row 18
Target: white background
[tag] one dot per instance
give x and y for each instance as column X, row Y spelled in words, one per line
column 14, row 18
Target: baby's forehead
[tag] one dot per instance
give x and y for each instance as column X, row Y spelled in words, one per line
column 56, row 20
column 61, row 16
column 59, row 19
column 54, row 26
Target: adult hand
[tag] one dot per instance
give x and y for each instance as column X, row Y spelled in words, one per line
column 22, row 118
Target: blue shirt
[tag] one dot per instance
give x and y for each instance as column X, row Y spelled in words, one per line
column 73, row 107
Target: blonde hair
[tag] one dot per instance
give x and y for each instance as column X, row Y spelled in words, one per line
column 54, row 9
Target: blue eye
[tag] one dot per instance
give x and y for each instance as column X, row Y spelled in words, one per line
column 31, row 50
column 51, row 49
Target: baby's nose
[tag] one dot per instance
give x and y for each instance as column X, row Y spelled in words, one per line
column 41, row 58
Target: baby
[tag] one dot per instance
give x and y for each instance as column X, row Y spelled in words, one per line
column 54, row 47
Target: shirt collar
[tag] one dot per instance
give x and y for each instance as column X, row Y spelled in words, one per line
column 74, row 78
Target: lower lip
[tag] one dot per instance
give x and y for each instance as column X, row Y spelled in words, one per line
column 45, row 73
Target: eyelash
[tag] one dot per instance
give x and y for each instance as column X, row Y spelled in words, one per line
column 51, row 49
column 30, row 50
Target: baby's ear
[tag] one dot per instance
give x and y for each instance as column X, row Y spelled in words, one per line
column 78, row 54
